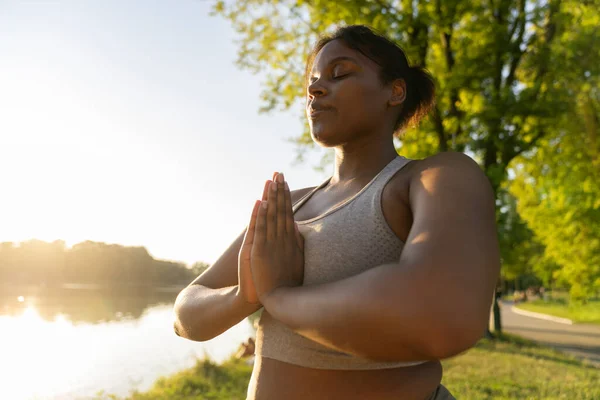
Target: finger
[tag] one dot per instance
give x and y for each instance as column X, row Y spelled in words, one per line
column 289, row 216
column 281, row 209
column 271, row 222
column 260, row 233
column 249, row 237
column 268, row 186
column 265, row 195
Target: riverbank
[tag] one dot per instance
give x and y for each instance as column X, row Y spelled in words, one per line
column 507, row 368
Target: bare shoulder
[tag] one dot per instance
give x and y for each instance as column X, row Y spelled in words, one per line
column 446, row 160
column 449, row 170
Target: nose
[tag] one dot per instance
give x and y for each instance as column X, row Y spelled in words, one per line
column 315, row 89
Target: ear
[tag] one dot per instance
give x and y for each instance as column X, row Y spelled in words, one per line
column 398, row 94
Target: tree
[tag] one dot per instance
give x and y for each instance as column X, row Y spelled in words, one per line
column 522, row 252
column 495, row 63
column 35, row 261
column 199, row 267
column 559, row 194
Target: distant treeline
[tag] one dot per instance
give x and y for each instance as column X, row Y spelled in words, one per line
column 37, row 262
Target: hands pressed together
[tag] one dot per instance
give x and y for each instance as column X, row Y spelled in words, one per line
column 272, row 253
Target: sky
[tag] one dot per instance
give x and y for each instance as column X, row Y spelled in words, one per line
column 129, row 123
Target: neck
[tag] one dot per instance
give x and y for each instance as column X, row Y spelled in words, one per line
column 358, row 162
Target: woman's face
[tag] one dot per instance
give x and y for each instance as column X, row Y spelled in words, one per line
column 345, row 97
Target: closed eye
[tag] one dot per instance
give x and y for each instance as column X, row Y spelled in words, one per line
column 338, row 77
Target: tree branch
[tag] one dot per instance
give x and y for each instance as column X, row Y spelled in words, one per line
column 549, row 34
column 520, row 22
column 439, row 128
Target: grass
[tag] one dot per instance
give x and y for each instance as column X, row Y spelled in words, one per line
column 508, row 297
column 506, row 368
column 204, row 381
column 515, row 368
column 559, row 307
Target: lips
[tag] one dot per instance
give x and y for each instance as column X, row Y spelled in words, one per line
column 316, row 109
column 315, row 113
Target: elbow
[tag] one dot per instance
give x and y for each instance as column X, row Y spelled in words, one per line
column 187, row 323
column 185, row 328
column 451, row 339
column 456, row 327
column 195, row 335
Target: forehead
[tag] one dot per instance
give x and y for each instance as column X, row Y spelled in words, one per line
column 337, row 48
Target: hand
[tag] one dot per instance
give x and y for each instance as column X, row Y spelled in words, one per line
column 246, row 287
column 277, row 256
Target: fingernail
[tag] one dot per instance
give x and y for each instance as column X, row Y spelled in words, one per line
column 263, row 204
column 280, row 178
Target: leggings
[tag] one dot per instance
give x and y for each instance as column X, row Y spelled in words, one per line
column 441, row 393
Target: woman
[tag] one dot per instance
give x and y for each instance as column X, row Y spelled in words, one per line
column 372, row 277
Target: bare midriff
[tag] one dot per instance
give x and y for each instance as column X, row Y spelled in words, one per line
column 275, row 380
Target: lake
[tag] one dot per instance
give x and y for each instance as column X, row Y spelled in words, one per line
column 73, row 341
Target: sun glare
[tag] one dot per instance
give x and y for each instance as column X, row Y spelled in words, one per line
column 36, row 351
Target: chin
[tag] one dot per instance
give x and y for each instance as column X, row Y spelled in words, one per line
column 325, row 137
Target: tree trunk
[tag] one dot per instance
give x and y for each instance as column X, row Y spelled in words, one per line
column 497, row 319
column 490, row 161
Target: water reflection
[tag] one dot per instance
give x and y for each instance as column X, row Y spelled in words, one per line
column 84, row 303
column 69, row 343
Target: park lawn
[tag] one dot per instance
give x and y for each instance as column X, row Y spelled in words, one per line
column 515, row 368
column 507, row 368
column 585, row 313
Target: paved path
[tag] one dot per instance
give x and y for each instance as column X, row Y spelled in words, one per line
column 580, row 340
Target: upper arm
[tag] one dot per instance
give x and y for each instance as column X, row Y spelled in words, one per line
column 453, row 237
column 224, row 272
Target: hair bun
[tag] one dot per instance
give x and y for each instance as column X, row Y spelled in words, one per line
column 421, row 98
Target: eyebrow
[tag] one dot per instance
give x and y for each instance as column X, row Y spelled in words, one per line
column 343, row 58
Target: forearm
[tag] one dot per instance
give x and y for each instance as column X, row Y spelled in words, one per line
column 385, row 313
column 202, row 313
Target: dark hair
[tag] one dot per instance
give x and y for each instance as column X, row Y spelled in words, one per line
column 420, row 87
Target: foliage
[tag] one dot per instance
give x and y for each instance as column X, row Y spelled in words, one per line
column 520, row 250
column 559, row 194
column 507, row 73
column 494, row 62
column 205, row 381
column 36, row 261
column 199, row 267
